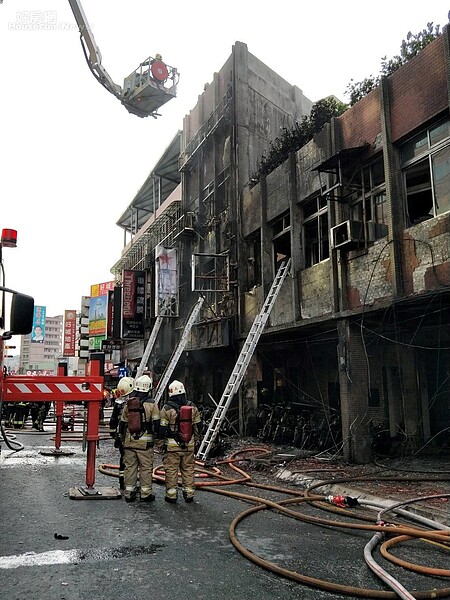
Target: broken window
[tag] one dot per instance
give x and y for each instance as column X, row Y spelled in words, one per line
column 210, row 272
column 281, row 239
column 315, row 230
column 254, row 260
column 426, row 172
column 369, row 204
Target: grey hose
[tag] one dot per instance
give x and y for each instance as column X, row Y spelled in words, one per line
column 10, row 440
column 380, row 572
column 372, row 564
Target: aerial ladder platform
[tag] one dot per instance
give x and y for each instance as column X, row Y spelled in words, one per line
column 243, row 361
column 145, row 90
column 178, row 350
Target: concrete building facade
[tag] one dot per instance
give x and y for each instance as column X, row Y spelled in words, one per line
column 359, row 334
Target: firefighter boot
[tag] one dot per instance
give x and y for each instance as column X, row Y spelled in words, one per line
column 171, row 495
column 188, row 495
column 149, row 498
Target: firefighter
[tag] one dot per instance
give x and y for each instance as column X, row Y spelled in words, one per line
column 125, row 386
column 179, row 451
column 34, row 410
column 8, row 413
column 39, row 412
column 21, row 414
column 144, row 386
column 138, row 424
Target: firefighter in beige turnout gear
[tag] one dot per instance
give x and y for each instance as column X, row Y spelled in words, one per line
column 179, row 456
column 138, row 448
column 125, row 387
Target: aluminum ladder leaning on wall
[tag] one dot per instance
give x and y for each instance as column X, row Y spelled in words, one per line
column 242, row 363
column 152, row 339
column 178, row 351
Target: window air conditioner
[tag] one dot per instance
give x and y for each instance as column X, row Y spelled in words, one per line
column 375, row 231
column 348, row 234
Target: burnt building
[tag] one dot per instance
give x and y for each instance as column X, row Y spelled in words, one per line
column 361, row 330
column 358, row 339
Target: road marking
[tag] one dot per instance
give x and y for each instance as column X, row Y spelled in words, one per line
column 61, row 557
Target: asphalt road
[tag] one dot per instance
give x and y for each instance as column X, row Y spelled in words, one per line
column 120, row 551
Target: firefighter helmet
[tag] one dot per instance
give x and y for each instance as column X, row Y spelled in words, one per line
column 144, row 383
column 125, row 386
column 176, row 388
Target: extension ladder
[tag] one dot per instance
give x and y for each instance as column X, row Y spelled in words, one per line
column 242, row 363
column 152, row 339
column 178, row 351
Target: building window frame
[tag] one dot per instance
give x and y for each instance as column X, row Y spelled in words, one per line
column 315, row 230
column 369, row 204
column 426, row 172
column 281, row 239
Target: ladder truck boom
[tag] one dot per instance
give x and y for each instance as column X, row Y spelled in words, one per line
column 94, row 58
column 145, row 90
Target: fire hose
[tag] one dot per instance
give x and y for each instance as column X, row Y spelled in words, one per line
column 213, row 480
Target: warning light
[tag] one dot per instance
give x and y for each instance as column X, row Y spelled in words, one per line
column 9, row 238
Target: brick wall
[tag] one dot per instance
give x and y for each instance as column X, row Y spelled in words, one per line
column 419, row 90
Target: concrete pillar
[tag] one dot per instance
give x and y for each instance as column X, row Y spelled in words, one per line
column 353, row 382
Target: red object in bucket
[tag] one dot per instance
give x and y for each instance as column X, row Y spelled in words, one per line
column 159, row 71
column 9, row 238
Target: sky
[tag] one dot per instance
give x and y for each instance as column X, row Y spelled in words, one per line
column 71, row 156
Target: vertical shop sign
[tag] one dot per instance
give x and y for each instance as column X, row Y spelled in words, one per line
column 133, row 304
column 70, row 325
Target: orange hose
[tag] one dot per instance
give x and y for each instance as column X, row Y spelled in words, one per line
column 407, row 565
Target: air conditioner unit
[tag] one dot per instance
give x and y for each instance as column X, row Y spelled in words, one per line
column 349, row 234
column 375, row 231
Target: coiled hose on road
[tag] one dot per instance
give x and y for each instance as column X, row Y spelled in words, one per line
column 213, row 480
column 10, row 440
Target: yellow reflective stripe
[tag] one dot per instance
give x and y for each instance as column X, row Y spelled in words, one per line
column 171, row 443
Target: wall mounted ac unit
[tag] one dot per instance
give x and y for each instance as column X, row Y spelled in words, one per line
column 375, row 231
column 349, row 234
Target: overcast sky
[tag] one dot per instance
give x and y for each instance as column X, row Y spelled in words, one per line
column 72, row 158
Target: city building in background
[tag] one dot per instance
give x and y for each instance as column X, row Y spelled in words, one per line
column 41, row 351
